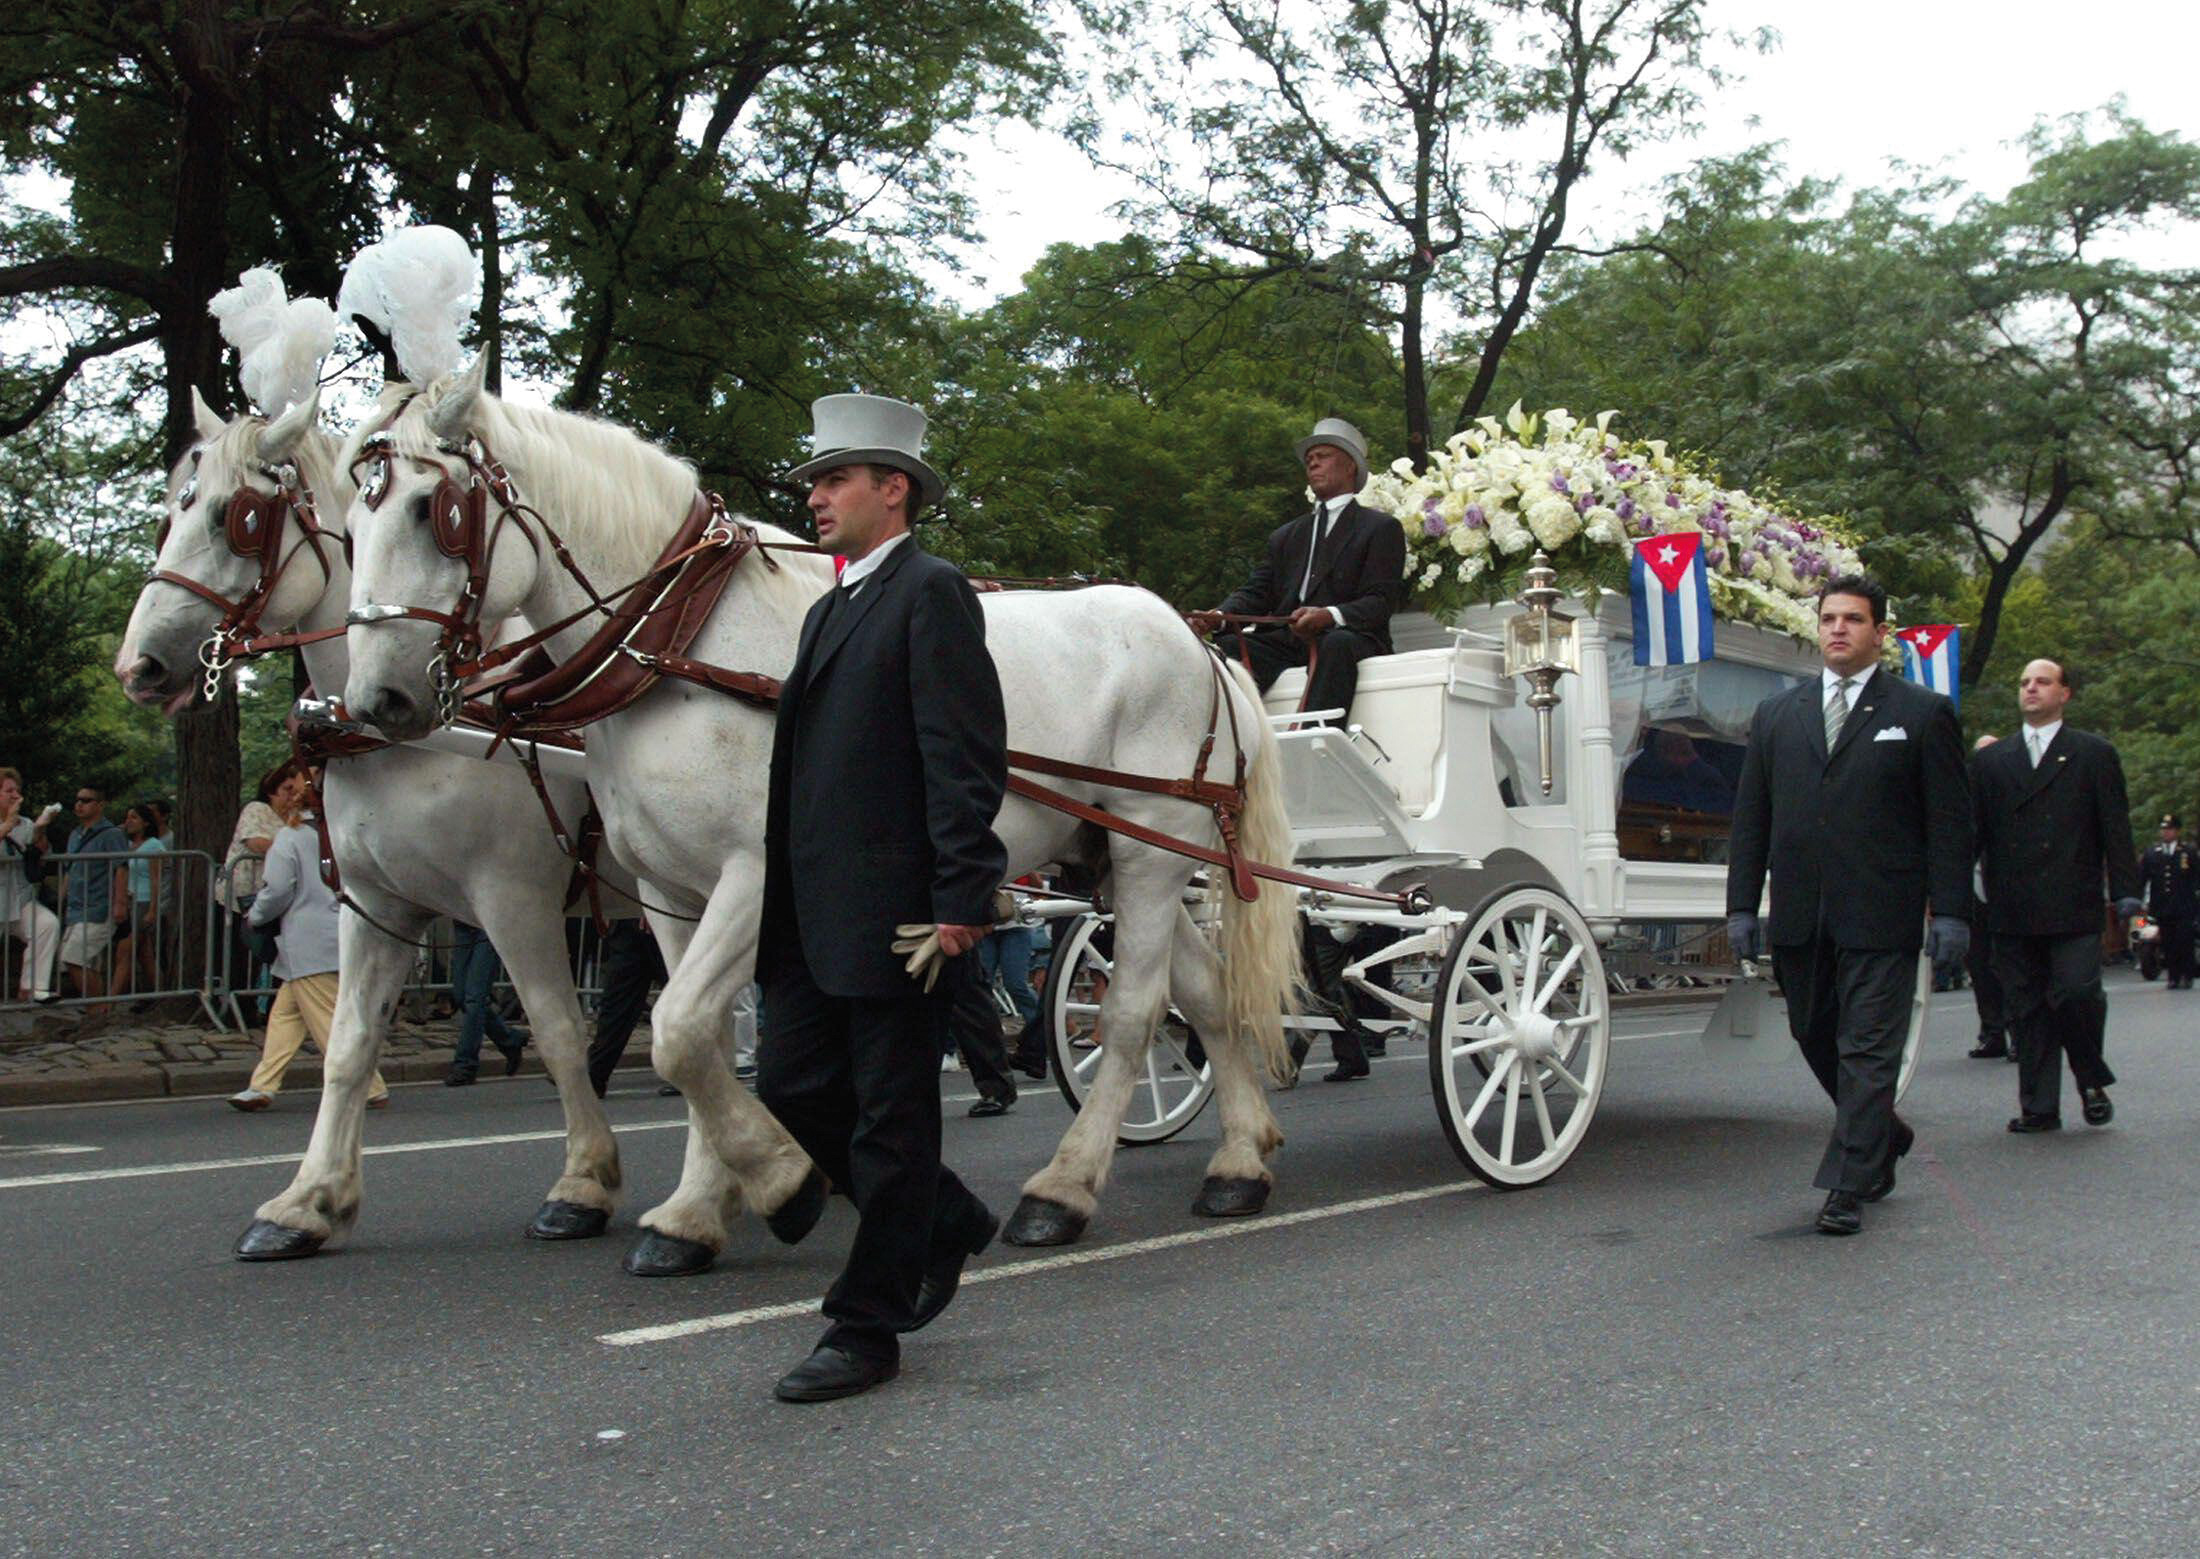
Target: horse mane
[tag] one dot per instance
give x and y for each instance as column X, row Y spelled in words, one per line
column 611, row 493
column 238, row 444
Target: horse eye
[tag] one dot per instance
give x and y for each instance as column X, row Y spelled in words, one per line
column 190, row 492
column 377, row 482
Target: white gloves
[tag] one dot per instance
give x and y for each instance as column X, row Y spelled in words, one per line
column 922, row 944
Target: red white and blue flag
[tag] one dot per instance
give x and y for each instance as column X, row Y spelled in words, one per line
column 1932, row 656
column 1672, row 600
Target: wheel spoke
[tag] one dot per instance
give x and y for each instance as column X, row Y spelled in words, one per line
column 1477, row 1047
column 1558, row 977
column 1532, row 964
column 1084, row 1064
column 1542, row 1111
column 1490, row 1085
column 1580, row 1022
column 1183, row 1060
column 1490, row 1004
column 1558, row 1069
column 1153, row 1081
column 1082, row 1009
column 1512, row 1113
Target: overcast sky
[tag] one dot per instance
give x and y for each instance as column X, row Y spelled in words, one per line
column 1852, row 86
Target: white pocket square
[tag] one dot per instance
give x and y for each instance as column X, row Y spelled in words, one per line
column 1893, row 733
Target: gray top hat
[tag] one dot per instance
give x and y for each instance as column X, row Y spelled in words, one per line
column 1342, row 434
column 857, row 430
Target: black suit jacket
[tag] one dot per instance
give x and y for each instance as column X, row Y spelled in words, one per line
column 1860, row 841
column 1361, row 571
column 2050, row 838
column 888, row 767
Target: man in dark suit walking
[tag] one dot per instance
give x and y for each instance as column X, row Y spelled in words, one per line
column 2170, row 873
column 2053, row 827
column 1337, row 573
column 888, row 769
column 1853, row 795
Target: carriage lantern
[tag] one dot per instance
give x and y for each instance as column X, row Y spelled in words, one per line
column 1540, row 645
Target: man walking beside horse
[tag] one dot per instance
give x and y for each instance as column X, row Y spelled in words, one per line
column 888, row 767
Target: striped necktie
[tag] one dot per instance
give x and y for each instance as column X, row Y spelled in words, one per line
column 1837, row 711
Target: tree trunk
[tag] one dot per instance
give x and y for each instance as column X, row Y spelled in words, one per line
column 482, row 197
column 1416, row 372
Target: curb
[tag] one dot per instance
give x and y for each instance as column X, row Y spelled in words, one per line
column 212, row 1079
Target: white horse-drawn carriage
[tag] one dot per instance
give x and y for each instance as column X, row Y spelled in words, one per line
column 1437, row 783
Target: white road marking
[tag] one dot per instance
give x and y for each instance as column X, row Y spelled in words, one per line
column 41, row 1149
column 1076, row 1258
column 261, row 1161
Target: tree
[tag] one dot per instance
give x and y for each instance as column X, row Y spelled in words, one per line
column 1121, row 417
column 1354, row 152
column 1958, row 386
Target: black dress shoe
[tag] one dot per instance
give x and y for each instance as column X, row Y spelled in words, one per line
column 993, row 1105
column 513, row 1055
column 1881, row 1185
column 1032, row 1066
column 1375, row 1047
column 1903, row 1138
column 942, row 1279
column 1988, row 1049
column 1840, row 1215
column 1347, row 1071
column 2098, row 1111
column 831, row 1373
column 2029, row 1122
column 458, row 1077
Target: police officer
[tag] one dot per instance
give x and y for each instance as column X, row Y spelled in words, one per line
column 2170, row 878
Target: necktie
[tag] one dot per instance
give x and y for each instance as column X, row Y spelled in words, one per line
column 1837, row 711
column 1313, row 551
column 2032, row 745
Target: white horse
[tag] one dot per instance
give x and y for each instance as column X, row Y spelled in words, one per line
column 1107, row 677
column 418, row 833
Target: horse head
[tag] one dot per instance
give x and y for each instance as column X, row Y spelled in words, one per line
column 240, row 511
column 441, row 553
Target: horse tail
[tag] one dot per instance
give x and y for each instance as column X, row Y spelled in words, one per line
column 1260, row 940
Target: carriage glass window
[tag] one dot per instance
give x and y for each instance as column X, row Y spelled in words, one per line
column 1514, row 747
column 1678, row 733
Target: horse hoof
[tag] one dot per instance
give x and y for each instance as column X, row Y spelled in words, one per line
column 798, row 1214
column 1224, row 1196
column 267, row 1240
column 1038, row 1221
column 663, row 1256
column 568, row 1221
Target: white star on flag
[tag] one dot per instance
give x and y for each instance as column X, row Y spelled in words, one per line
column 1665, row 553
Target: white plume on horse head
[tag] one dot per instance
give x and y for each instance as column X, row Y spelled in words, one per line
column 419, row 286
column 280, row 340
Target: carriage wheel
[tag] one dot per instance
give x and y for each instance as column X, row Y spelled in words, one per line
column 1522, row 1037
column 1173, row 1090
column 1913, row 1044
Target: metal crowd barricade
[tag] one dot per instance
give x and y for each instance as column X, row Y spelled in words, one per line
column 143, row 948
column 1661, row 955
column 185, row 940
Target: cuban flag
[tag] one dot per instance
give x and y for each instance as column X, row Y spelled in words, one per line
column 1672, row 601
column 1933, row 656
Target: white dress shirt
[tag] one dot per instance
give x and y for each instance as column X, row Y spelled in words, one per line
column 2038, row 738
column 293, row 898
column 853, row 576
column 1328, row 509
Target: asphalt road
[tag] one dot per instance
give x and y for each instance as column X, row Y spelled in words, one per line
column 1651, row 1354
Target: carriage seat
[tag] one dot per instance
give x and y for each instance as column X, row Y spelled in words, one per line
column 1399, row 703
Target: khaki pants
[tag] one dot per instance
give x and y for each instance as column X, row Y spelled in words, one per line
column 304, row 1006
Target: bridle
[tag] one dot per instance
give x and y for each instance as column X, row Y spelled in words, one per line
column 460, row 524
column 252, row 525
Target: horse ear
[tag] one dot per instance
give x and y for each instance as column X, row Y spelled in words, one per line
column 280, row 438
column 453, row 416
column 210, row 425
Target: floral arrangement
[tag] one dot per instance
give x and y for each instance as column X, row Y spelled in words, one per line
column 1499, row 490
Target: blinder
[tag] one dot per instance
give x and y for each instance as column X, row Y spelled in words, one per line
column 457, row 514
column 253, row 524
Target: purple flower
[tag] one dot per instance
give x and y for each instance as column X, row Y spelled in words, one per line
column 1713, row 523
column 1625, row 509
column 1672, row 500
column 1745, row 564
column 1716, row 555
column 1582, row 504
column 1433, row 524
column 1558, row 482
column 1622, row 470
column 1474, row 517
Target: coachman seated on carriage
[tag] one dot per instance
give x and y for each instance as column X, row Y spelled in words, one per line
column 1332, row 577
